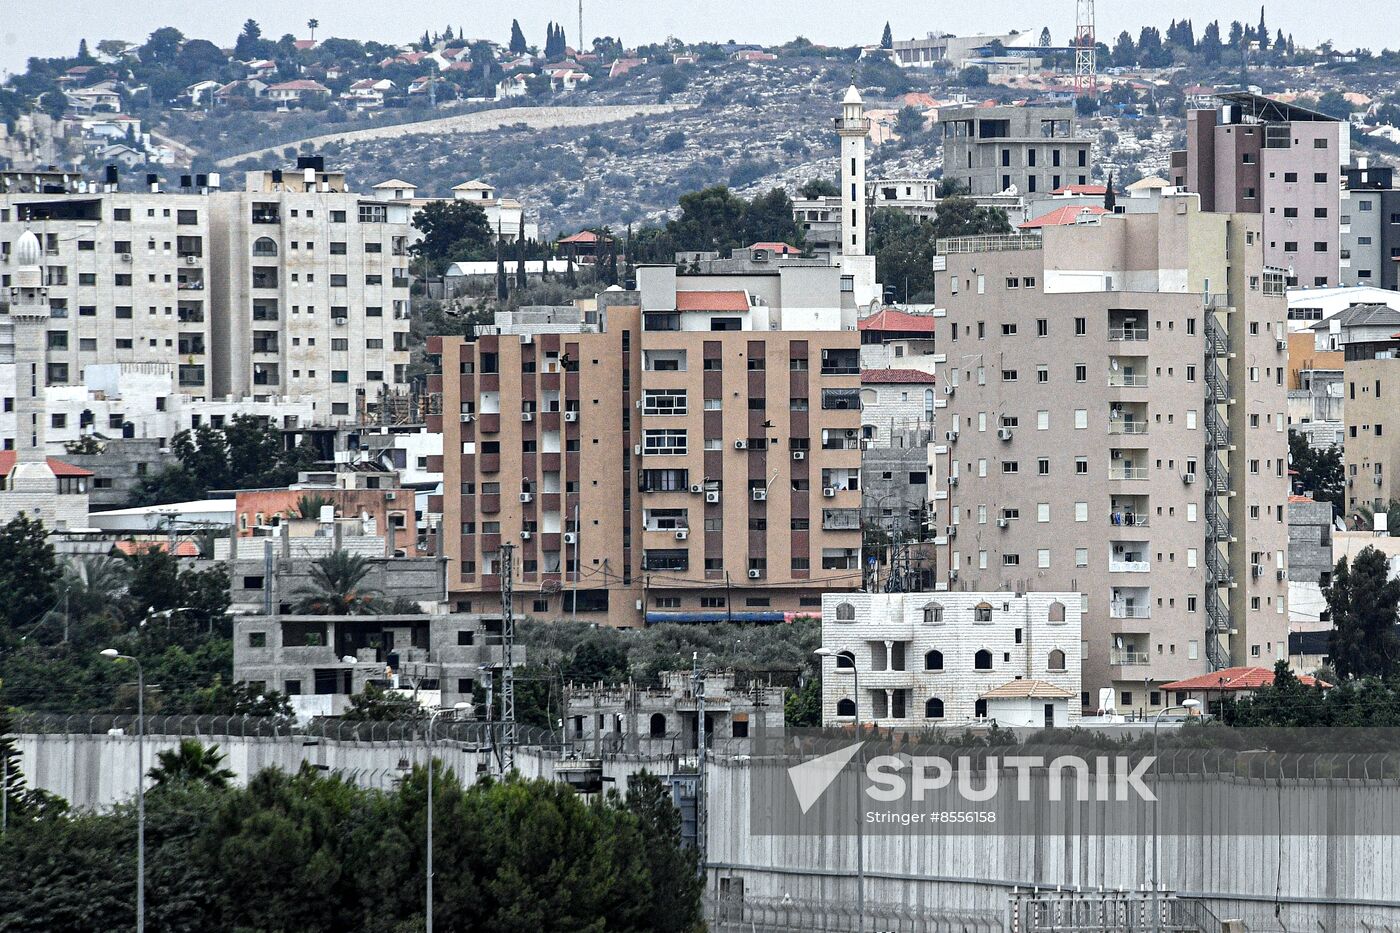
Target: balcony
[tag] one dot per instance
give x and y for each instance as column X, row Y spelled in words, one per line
column 1119, row 518
column 1127, row 333
column 1125, row 657
column 1127, row 381
column 1129, row 611
column 1127, row 473
column 1124, row 565
column 1125, row 426
column 191, row 345
column 191, row 313
column 840, row 362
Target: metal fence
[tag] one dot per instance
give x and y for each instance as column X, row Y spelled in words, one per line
column 1055, row 911
column 766, row 915
column 343, row 730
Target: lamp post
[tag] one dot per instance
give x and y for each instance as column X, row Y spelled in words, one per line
column 432, row 722
column 112, row 654
column 1190, row 706
column 860, row 760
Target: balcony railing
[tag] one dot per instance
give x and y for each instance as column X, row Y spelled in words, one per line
column 1127, row 472
column 1124, row 611
column 1127, row 333
column 1124, row 657
column 1129, row 566
column 1127, row 427
column 1133, row 381
column 1119, row 518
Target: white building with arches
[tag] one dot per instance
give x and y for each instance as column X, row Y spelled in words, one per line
column 926, row 660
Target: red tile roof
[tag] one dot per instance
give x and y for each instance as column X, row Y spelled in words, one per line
column 1063, row 216
column 7, row 463
column 583, row 236
column 133, row 547
column 1081, row 189
column 712, row 301
column 782, row 249
column 1237, row 678
column 892, row 319
column 892, row 376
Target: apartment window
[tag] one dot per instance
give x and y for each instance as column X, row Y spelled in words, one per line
column 1290, row 176
column 1010, row 466
column 1320, row 178
column 1081, row 326
column 1042, row 466
column 1008, row 330
column 1081, row 466
column 1081, row 372
column 1042, row 374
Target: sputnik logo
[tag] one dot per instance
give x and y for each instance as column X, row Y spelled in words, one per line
column 811, row 778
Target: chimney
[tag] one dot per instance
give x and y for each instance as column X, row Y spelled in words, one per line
column 153, row 182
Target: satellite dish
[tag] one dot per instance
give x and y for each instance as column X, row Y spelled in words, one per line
column 1113, row 364
column 1118, row 643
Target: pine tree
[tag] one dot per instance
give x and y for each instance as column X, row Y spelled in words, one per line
column 521, row 279
column 517, row 38
column 570, row 276
column 502, row 284
column 887, row 40
column 11, row 777
column 83, row 54
column 1262, row 33
column 1362, row 600
column 1110, row 197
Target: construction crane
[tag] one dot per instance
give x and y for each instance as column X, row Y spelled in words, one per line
column 1086, row 83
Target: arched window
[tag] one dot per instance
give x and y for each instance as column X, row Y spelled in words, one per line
column 264, row 246
column 979, row 709
column 845, row 612
column 1057, row 660
column 933, row 708
column 928, row 405
column 933, row 614
column 1057, row 611
column 845, row 707
column 933, row 661
column 982, row 612
column 982, row 661
column 846, row 661
column 658, row 724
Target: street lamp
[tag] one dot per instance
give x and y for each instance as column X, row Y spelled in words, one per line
column 860, row 759
column 112, row 654
column 432, row 722
column 1190, row 706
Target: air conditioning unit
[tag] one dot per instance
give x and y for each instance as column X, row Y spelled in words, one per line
column 1281, row 344
column 697, row 488
column 1256, row 571
column 527, row 339
column 952, row 575
column 570, row 416
column 1004, row 433
column 1188, row 478
column 741, row 445
column 712, row 495
column 1376, row 480
column 527, row 416
column 851, row 433
column 829, row 492
column 468, row 417
column 1002, row 523
column 682, row 534
column 391, row 496
column 126, row 257
column 760, row 495
column 570, row 537
column 527, row 497
column 191, row 260
column 340, row 321
column 799, row 455
column 524, row 536
column 755, row 574
column 636, row 450
column 952, row 531
column 1280, row 574
column 950, row 436
column 952, row 481
column 950, row 390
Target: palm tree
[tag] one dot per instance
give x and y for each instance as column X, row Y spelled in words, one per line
column 95, row 585
column 336, row 587
column 312, row 24
column 191, row 762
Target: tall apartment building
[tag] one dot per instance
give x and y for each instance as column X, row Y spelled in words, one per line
column 1370, row 383
column 1255, row 155
column 313, row 290
column 1115, row 425
column 989, row 150
column 691, row 456
column 1370, row 227
column 126, row 273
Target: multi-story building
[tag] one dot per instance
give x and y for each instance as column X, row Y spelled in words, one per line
column 1371, row 376
column 990, row 150
column 1255, row 155
column 313, row 291
column 612, row 718
column 1370, row 226
column 126, row 275
column 1115, row 425
column 692, row 456
column 925, row 659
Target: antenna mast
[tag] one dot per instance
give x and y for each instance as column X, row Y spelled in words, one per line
column 1086, row 82
column 507, row 744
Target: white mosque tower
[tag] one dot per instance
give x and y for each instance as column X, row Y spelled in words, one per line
column 29, row 313
column 852, row 126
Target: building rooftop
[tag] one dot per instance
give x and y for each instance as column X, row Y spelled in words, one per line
column 1064, row 216
column 60, row 468
column 712, row 301
column 1362, row 315
column 895, row 376
column 1274, row 111
column 1237, row 678
column 893, row 319
column 1027, row 690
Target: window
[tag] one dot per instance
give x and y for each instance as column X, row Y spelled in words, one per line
column 845, row 612
column 982, row 661
column 982, row 612
column 1056, row 661
column 933, row 615
column 933, row 708
column 257, row 639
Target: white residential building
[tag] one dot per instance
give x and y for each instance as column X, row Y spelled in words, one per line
column 930, row 659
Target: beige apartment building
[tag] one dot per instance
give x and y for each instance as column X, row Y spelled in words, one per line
column 692, row 456
column 126, row 274
column 313, row 291
column 1372, row 453
column 1114, row 424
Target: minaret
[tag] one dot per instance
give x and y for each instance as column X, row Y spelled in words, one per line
column 29, row 312
column 852, row 126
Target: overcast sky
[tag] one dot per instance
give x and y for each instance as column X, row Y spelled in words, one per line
column 54, row 27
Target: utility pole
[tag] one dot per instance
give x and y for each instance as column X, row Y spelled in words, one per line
column 697, row 677
column 580, row 27
column 507, row 755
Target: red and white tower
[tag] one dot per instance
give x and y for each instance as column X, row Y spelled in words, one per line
column 1086, row 75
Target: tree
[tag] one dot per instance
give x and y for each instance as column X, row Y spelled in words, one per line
column 1319, row 472
column 909, row 123
column 113, row 48
column 887, row 38
column 453, row 231
column 1210, row 44
column 1362, row 602
column 502, row 283
column 94, row 586
column 161, row 47
column 803, row 706
column 522, row 281
column 973, row 76
column 84, row 55
column 818, row 188
column 375, row 704
column 1110, row 197
column 1262, row 32
column 191, row 762
column 518, row 46
column 29, row 574
column 311, row 24
column 676, row 881
column 336, row 587
column 250, row 44
column 768, row 218
column 1124, row 52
